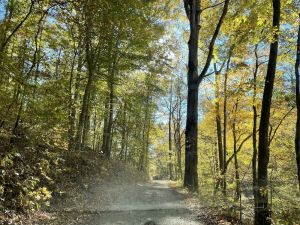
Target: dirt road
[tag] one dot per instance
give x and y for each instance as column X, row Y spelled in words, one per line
column 140, row 203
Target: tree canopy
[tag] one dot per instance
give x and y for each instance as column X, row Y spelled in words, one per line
column 202, row 92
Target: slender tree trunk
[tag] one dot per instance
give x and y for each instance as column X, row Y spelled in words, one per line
column 178, row 146
column 17, row 122
column 263, row 212
column 110, row 120
column 105, row 123
column 126, row 142
column 82, row 117
column 236, row 165
column 225, row 127
column 144, row 150
column 254, row 139
column 112, row 72
column 177, row 140
column 108, row 123
column 95, row 125
column 177, row 119
column 123, row 132
column 179, row 161
column 171, row 176
column 87, row 120
column 73, row 97
column 218, row 122
column 147, row 143
column 297, row 136
column 84, row 114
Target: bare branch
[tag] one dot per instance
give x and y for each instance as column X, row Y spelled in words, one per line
column 212, row 6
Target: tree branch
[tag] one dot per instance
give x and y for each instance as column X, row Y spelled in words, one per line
column 212, row 6
column 279, row 124
column 18, row 26
column 238, row 150
column 212, row 42
column 187, row 8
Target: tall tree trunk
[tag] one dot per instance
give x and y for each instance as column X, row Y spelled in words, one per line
column 218, row 121
column 86, row 128
column 84, row 114
column 177, row 119
column 105, row 122
column 297, row 136
column 108, row 121
column 95, row 125
column 179, row 171
column 262, row 212
column 254, row 139
column 73, row 98
column 236, row 165
column 126, row 140
column 144, row 150
column 191, row 132
column 89, row 52
column 225, row 126
column 123, row 132
column 193, row 11
column 171, row 175
column 178, row 143
column 147, row 143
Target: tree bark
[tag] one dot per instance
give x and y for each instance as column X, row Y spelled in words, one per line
column 262, row 212
column 297, row 136
column 191, row 132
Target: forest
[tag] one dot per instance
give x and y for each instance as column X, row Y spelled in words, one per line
column 109, row 99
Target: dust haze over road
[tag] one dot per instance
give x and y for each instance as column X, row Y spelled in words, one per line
column 140, row 203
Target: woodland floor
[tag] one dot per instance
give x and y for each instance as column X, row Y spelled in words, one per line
column 121, row 199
